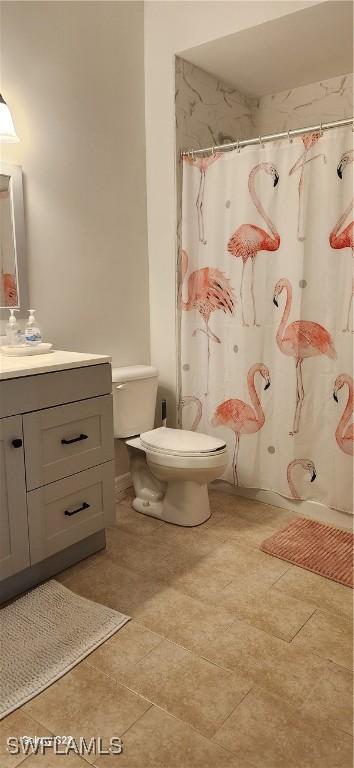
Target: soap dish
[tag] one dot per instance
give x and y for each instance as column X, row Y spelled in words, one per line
column 25, row 349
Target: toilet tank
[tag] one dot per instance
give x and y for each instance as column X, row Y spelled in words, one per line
column 134, row 399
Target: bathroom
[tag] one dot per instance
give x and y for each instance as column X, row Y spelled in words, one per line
column 232, row 655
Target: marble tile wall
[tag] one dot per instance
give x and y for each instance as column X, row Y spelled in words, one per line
column 208, row 111
column 311, row 104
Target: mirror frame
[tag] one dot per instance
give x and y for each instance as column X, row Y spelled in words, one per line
column 15, row 172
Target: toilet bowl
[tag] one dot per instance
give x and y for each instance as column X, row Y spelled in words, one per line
column 170, row 468
column 178, row 472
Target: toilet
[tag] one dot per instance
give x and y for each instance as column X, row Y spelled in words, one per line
column 170, row 468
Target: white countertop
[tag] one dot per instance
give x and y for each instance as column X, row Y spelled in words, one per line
column 13, row 367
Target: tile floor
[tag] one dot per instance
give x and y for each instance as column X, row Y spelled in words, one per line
column 232, row 658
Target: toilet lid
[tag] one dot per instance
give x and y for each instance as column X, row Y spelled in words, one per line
column 181, row 441
column 133, row 373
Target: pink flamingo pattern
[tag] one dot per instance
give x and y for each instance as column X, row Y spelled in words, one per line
column 345, row 238
column 300, row 339
column 308, row 141
column 186, row 400
column 240, row 417
column 306, row 464
column 202, row 163
column 9, row 283
column 208, row 291
column 249, row 239
column 345, row 430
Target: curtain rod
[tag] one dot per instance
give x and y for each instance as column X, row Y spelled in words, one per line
column 271, row 137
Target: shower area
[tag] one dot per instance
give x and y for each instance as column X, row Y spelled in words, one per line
column 265, row 259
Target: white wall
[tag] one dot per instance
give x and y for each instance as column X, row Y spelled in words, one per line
column 170, row 28
column 73, row 75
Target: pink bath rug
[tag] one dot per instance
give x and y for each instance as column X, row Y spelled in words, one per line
column 315, row 546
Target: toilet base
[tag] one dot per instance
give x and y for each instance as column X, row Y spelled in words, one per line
column 185, row 503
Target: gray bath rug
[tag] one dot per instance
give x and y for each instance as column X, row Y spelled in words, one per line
column 43, row 635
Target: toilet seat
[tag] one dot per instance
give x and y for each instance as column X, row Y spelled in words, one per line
column 165, row 441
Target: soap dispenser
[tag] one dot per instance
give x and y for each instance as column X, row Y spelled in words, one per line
column 33, row 335
column 13, row 332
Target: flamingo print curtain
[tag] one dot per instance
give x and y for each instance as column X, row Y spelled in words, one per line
column 265, row 297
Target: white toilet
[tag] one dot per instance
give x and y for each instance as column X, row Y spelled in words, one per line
column 170, row 468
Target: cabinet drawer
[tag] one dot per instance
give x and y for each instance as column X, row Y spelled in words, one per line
column 62, row 513
column 70, row 438
column 45, row 390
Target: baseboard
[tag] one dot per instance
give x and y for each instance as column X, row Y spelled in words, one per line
column 312, row 509
column 121, row 484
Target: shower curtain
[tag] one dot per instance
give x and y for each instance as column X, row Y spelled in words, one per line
column 266, row 329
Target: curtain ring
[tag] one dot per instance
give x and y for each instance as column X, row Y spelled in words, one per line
column 238, row 146
column 260, row 142
column 213, row 151
column 289, row 138
column 321, row 130
column 192, row 153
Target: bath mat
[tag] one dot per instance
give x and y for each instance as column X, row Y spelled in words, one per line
column 315, row 546
column 43, row 635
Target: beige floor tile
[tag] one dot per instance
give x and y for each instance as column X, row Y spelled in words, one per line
column 122, row 651
column 328, row 636
column 323, row 593
column 159, row 740
column 269, row 733
column 18, row 724
column 211, row 590
column 86, row 703
column 134, row 551
column 181, row 618
column 239, row 529
column 241, row 561
column 267, row 609
column 191, row 688
column 193, row 578
column 332, row 699
column 115, row 586
column 273, row 664
column 184, row 558
column 256, row 511
column 177, row 565
column 221, row 505
column 198, row 541
column 50, row 760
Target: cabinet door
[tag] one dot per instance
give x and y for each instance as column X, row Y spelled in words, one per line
column 14, row 546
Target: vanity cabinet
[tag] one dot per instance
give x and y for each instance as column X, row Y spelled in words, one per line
column 56, row 472
column 14, row 544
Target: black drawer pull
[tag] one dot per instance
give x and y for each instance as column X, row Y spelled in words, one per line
column 17, row 442
column 75, row 511
column 74, row 439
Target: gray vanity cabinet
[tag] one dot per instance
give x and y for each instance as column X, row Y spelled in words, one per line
column 14, row 544
column 56, row 472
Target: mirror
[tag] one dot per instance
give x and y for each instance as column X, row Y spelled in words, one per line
column 13, row 272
